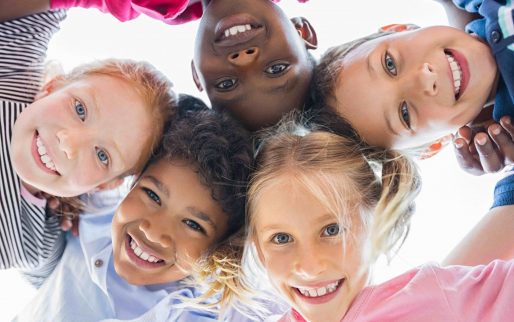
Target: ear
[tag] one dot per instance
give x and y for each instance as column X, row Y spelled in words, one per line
column 306, row 31
column 114, row 183
column 195, row 77
column 49, row 87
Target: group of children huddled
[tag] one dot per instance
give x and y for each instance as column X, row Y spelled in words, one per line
column 296, row 174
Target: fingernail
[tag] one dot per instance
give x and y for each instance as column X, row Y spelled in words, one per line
column 496, row 130
column 458, row 144
column 506, row 119
column 480, row 140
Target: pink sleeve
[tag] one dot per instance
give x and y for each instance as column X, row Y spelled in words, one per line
column 480, row 293
column 172, row 12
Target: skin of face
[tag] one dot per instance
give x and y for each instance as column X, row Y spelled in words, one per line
column 298, row 245
column 399, row 90
column 256, row 75
column 91, row 130
column 171, row 216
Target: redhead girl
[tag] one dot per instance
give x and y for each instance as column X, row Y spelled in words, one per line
column 77, row 133
column 322, row 208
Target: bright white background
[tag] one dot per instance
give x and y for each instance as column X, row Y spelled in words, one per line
column 451, row 201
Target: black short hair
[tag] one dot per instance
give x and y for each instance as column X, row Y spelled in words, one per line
column 220, row 151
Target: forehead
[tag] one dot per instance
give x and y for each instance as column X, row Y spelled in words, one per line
column 185, row 187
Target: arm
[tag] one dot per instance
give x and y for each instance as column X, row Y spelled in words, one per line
column 457, row 17
column 492, row 238
column 10, row 9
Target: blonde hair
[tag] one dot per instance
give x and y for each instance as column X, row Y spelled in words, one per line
column 153, row 86
column 343, row 173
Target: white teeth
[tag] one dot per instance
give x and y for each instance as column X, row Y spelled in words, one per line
column 316, row 292
column 234, row 30
column 141, row 254
column 456, row 72
column 45, row 158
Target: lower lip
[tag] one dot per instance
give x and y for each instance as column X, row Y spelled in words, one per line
column 464, row 66
column 138, row 261
column 37, row 157
column 320, row 299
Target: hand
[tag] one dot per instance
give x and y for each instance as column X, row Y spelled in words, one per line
column 68, row 216
column 486, row 151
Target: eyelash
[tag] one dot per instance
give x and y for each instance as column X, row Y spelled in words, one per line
column 152, row 195
column 275, row 241
column 194, row 226
column 220, row 85
column 78, row 105
column 388, row 58
column 283, row 68
column 404, row 114
column 330, row 226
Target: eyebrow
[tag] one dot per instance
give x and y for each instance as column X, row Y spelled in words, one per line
column 202, row 216
column 158, row 184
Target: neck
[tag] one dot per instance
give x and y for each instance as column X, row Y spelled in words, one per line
column 33, row 190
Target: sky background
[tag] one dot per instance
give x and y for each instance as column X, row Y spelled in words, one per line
column 451, row 201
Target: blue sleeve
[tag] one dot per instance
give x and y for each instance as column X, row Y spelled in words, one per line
column 468, row 5
column 504, row 192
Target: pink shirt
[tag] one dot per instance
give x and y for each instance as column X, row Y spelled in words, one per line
column 172, row 12
column 432, row 293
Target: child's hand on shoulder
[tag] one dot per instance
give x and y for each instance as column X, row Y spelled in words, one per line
column 485, row 150
column 68, row 216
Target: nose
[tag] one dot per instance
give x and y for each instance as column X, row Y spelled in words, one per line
column 310, row 262
column 427, row 80
column 244, row 57
column 156, row 233
column 70, row 142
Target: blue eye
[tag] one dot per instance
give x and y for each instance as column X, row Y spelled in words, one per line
column 276, row 69
column 331, row 230
column 102, row 156
column 390, row 64
column 281, row 238
column 80, row 110
column 405, row 115
column 152, row 195
column 193, row 225
column 226, row 84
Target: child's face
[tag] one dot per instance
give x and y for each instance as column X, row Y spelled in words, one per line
column 79, row 136
column 301, row 247
column 257, row 74
column 410, row 88
column 164, row 224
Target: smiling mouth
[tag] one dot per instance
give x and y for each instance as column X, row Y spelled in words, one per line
column 320, row 291
column 459, row 71
column 41, row 155
column 141, row 257
column 237, row 29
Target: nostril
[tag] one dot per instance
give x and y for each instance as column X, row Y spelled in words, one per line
column 234, row 56
column 250, row 51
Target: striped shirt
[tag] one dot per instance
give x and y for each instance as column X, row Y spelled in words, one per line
column 29, row 238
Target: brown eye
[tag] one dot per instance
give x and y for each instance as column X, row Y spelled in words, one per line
column 276, row 69
column 226, row 84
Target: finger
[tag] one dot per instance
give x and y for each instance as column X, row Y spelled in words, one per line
column 489, row 157
column 466, row 133
column 53, row 203
column 66, row 223
column 503, row 141
column 465, row 159
column 506, row 123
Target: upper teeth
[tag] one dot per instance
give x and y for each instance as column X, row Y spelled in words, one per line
column 315, row 292
column 237, row 29
column 141, row 254
column 456, row 71
column 45, row 158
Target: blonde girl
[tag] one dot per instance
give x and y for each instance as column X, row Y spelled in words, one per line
column 323, row 207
